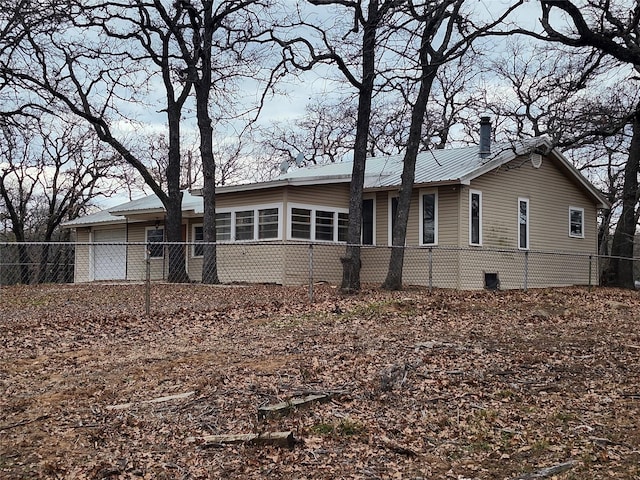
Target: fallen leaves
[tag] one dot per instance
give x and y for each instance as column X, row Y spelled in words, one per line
column 476, row 385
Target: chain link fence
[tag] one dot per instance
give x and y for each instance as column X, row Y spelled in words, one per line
column 293, row 264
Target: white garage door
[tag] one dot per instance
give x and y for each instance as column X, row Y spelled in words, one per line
column 109, row 261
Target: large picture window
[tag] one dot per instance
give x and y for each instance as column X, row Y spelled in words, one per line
column 429, row 216
column 155, row 237
column 523, row 223
column 475, row 217
column 576, row 222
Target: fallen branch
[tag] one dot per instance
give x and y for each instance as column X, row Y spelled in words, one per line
column 284, row 408
column 277, row 439
column 23, row 422
column 179, row 396
column 397, row 448
column 548, row 471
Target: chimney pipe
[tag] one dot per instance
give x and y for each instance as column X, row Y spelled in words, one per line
column 485, row 136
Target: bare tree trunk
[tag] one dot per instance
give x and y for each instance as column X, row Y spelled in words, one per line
column 351, row 262
column 620, row 270
column 173, row 203
column 203, row 38
column 399, row 233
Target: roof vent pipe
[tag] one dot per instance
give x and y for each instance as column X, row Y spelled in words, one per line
column 485, row 136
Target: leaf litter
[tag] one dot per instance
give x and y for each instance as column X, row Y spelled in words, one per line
column 422, row 385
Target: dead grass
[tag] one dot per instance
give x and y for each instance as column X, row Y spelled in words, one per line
column 478, row 385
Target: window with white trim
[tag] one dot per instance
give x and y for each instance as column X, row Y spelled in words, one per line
column 368, row 221
column 223, row 227
column 261, row 222
column 429, row 218
column 318, row 223
column 268, row 223
column 343, row 226
column 155, row 237
column 393, row 210
column 576, row 222
column 475, row 217
column 523, row 223
column 244, row 225
column 198, row 238
column 301, row 223
column 324, row 225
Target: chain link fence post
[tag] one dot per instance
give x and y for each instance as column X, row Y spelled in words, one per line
column 311, row 273
column 430, row 269
column 526, row 270
column 590, row 270
column 147, row 283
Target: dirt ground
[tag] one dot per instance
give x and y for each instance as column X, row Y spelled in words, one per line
column 452, row 385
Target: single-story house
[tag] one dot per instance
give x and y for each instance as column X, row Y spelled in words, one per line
column 502, row 201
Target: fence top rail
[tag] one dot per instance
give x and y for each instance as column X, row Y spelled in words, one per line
column 298, row 243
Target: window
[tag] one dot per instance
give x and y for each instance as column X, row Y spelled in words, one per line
column 367, row 222
column 576, row 222
column 301, row 223
column 223, row 227
column 429, row 215
column 268, row 223
column 475, row 217
column 324, row 225
column 393, row 211
column 198, row 237
column 155, row 237
column 343, row 227
column 244, row 225
column 523, row 223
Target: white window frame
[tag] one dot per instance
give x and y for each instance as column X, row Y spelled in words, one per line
column 231, row 220
column 194, row 241
column 278, row 236
column 256, row 219
column 479, row 193
column 528, row 224
column 390, row 197
column 421, row 216
column 146, row 239
column 314, row 209
column 581, row 210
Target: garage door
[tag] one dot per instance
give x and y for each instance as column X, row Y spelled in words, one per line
column 109, row 261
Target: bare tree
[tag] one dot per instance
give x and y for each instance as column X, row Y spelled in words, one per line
column 102, row 76
column 443, row 33
column 48, row 175
column 612, row 30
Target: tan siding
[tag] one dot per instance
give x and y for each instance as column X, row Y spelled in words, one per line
column 336, row 196
column 448, row 198
column 413, row 227
column 382, row 218
column 261, row 263
column 550, row 194
column 244, row 199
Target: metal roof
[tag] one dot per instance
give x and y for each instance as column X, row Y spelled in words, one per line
column 152, row 203
column 455, row 165
column 102, row 217
column 433, row 166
